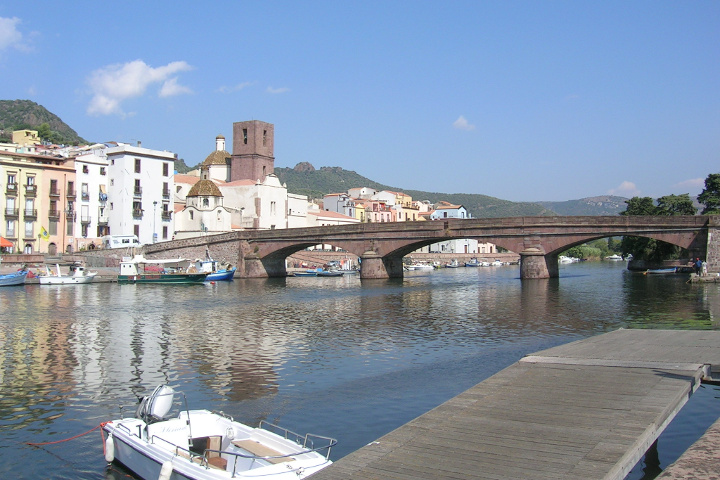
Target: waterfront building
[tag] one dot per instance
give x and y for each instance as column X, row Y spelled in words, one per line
column 448, row 210
column 38, row 195
column 91, row 221
column 139, row 200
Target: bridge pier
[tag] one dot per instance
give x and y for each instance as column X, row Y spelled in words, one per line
column 534, row 263
column 252, row 266
column 372, row 265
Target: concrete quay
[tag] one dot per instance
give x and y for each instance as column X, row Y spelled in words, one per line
column 589, row 409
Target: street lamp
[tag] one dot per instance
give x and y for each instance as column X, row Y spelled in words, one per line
column 154, row 220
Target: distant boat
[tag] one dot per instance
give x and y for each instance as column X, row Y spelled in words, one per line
column 614, row 257
column 472, row 263
column 15, row 278
column 660, row 271
column 453, row 264
column 77, row 276
column 329, row 273
column 212, row 268
column 306, row 273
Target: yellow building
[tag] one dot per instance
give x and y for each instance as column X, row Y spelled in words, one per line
column 38, row 194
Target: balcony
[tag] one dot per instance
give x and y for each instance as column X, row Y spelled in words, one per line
column 54, row 214
column 54, row 192
column 102, row 221
column 166, row 215
column 166, row 194
column 30, row 190
column 70, row 215
column 11, row 189
column 85, row 220
column 85, row 197
column 137, row 192
column 70, row 193
column 137, row 213
column 12, row 212
column 30, row 213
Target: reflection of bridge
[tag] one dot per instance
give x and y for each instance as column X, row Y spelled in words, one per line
column 381, row 246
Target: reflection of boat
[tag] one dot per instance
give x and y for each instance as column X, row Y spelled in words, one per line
column 15, row 278
column 660, row 271
column 145, row 270
column 77, row 275
column 199, row 444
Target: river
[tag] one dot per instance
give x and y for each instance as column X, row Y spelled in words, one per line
column 341, row 357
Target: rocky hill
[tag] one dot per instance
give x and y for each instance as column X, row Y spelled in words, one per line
column 26, row 114
column 601, row 205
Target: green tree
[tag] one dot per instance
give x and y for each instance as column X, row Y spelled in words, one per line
column 710, row 196
column 643, row 248
column 675, row 205
column 44, row 131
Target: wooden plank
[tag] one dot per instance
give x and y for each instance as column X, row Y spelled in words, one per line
column 589, row 409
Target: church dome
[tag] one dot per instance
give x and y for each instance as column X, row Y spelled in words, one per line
column 218, row 157
column 205, row 188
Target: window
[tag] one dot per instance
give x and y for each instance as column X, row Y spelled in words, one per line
column 70, row 228
column 84, row 193
column 10, row 228
column 29, row 229
column 102, row 170
column 166, row 169
column 137, row 165
column 52, row 228
column 11, row 178
column 165, row 233
column 31, row 180
column 206, row 202
column 191, row 215
column 264, row 137
column 85, row 169
column 70, row 187
column 272, row 208
column 136, row 230
column 245, row 136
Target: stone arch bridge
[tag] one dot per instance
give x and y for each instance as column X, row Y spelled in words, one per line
column 381, row 246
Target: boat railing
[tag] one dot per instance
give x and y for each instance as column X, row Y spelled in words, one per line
column 307, row 441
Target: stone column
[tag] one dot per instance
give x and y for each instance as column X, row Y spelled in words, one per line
column 712, row 257
column 251, row 266
column 535, row 264
column 371, row 266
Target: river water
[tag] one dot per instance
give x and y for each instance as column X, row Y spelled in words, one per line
column 332, row 356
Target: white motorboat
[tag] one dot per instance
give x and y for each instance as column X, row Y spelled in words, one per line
column 614, row 258
column 77, row 275
column 204, row 445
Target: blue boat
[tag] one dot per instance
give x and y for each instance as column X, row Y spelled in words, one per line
column 16, row 278
column 223, row 275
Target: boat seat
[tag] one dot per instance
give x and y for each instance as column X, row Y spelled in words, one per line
column 260, row 450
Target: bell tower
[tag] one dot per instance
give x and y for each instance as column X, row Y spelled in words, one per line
column 252, row 155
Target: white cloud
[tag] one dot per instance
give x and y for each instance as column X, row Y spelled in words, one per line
column 10, row 36
column 462, row 124
column 625, row 189
column 112, row 84
column 234, row 88
column 693, row 186
column 277, row 90
column 171, row 88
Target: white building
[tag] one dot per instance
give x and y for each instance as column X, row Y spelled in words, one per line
column 91, row 180
column 139, row 192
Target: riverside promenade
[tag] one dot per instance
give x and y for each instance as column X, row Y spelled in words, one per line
column 588, row 409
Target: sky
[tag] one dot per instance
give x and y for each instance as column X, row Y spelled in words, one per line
column 519, row 100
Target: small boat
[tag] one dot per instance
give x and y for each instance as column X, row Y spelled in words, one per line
column 496, row 263
column 144, row 270
column 420, row 266
column 472, row 263
column 614, row 258
column 330, row 273
column 204, row 445
column 452, row 264
column 15, row 278
column 215, row 272
column 660, row 271
column 222, row 274
column 306, row 273
column 77, row 276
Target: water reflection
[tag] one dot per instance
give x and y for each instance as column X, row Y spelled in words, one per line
column 336, row 355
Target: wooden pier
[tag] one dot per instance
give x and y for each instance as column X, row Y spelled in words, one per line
column 589, row 409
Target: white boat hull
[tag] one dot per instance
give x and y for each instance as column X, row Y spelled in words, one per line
column 66, row 280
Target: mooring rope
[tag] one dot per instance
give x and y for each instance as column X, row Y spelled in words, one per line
column 38, row 444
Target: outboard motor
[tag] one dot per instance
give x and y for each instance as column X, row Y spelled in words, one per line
column 154, row 407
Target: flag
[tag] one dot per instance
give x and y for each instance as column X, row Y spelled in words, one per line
column 44, row 234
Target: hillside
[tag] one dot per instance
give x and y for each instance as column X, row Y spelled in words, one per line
column 304, row 179
column 26, row 114
column 601, row 205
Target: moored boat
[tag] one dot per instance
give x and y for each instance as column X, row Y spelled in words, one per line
column 330, row 273
column 199, row 444
column 15, row 278
column 77, row 275
column 144, row 270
